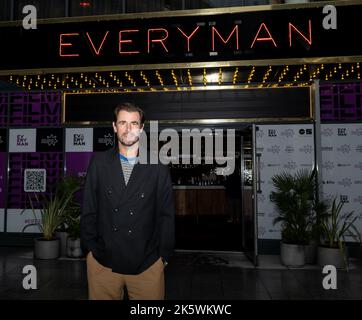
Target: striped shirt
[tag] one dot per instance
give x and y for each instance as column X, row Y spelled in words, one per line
column 127, row 166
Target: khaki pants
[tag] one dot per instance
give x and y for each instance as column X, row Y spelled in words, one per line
column 103, row 284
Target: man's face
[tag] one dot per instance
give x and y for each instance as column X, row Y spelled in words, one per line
column 128, row 127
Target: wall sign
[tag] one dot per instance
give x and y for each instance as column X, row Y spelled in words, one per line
column 272, row 34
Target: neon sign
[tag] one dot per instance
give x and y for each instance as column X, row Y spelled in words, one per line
column 159, row 36
column 256, row 35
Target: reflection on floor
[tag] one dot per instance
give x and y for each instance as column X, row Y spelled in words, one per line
column 190, row 275
column 208, row 232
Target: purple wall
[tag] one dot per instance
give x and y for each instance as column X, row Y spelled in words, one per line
column 341, row 102
column 2, row 178
column 35, row 109
column 3, row 109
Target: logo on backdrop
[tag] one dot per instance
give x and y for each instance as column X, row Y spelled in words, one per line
column 308, row 165
column 21, row 140
column 261, row 230
column 288, row 133
column 259, row 133
column 78, row 139
column 359, row 148
column 305, row 132
column 358, row 165
column 328, row 182
column 345, row 182
column 289, row 149
column 344, row 165
column 291, row 165
column 107, row 139
column 358, row 200
column 306, row 149
column 328, row 165
column 344, row 198
column 357, row 132
column 272, row 133
column 50, row 140
column 274, row 149
column 327, row 148
column 342, row 132
column 327, row 132
column 345, row 148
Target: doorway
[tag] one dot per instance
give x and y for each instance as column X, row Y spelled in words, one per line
column 211, row 207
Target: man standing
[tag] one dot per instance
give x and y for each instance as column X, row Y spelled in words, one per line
column 127, row 221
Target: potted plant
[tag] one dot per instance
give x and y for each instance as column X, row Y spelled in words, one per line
column 335, row 228
column 54, row 210
column 314, row 230
column 294, row 200
column 69, row 184
column 73, row 242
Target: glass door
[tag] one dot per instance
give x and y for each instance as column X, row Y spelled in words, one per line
column 250, row 182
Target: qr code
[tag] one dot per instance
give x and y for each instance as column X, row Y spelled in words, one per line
column 34, row 180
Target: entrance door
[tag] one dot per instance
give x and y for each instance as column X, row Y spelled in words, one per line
column 250, row 184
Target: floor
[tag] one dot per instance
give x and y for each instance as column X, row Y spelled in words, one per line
column 190, row 275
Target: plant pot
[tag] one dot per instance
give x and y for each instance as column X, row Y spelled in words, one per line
column 292, row 255
column 310, row 252
column 62, row 236
column 331, row 256
column 46, row 249
column 73, row 248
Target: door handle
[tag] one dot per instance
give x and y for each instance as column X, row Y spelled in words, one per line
column 258, row 175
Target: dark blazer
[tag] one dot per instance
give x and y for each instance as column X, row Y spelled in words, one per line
column 127, row 228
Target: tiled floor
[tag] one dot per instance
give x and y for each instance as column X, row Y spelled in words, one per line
column 190, row 275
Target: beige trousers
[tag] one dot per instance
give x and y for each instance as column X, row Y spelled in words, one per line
column 103, row 284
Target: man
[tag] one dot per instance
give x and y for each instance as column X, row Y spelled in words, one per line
column 127, row 221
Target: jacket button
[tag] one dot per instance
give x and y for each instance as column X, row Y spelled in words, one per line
column 129, row 231
column 142, row 195
column 131, row 213
column 115, row 209
column 115, row 228
column 109, row 191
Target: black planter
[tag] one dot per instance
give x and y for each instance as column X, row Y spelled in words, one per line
column 46, row 249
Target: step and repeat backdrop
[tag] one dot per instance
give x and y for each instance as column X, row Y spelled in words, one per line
column 39, row 157
column 36, row 151
column 281, row 148
column 342, row 166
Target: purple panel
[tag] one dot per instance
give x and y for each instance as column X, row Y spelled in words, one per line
column 341, row 102
column 3, row 109
column 52, row 162
column 35, row 109
column 77, row 163
column 2, row 178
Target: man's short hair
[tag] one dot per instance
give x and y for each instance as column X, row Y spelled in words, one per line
column 129, row 107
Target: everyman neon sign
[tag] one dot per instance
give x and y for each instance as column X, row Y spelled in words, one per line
column 256, row 35
column 187, row 41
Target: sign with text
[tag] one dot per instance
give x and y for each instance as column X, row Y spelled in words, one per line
column 22, row 140
column 272, row 34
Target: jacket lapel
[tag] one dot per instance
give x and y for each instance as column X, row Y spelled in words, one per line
column 116, row 174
